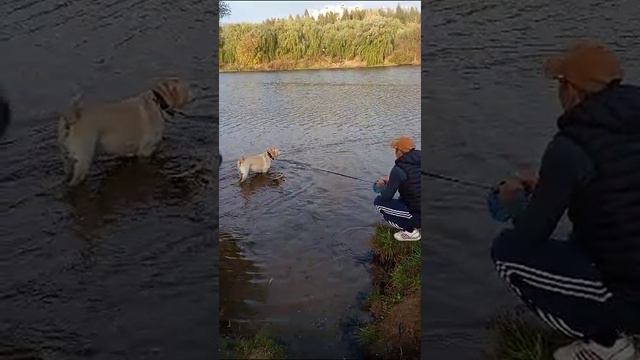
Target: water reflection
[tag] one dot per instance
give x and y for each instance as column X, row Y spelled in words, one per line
column 242, row 283
column 258, row 182
column 123, row 185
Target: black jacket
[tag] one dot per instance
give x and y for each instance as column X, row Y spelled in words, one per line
column 606, row 213
column 591, row 168
column 411, row 190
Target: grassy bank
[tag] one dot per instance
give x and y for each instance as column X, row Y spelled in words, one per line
column 395, row 300
column 260, row 346
column 325, row 64
column 518, row 335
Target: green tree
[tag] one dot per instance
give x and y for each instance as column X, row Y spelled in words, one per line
column 224, row 9
column 372, row 37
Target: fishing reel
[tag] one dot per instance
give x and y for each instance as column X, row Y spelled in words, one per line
column 505, row 212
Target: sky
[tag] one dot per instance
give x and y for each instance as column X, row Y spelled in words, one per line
column 257, row 11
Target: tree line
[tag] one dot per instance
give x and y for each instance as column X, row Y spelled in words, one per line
column 367, row 36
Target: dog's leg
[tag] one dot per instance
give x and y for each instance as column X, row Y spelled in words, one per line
column 149, row 145
column 147, row 150
column 80, row 170
column 79, row 153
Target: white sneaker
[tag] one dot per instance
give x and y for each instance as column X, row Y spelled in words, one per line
column 582, row 350
column 407, row 235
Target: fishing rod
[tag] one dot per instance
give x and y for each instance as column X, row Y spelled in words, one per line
column 457, row 181
column 324, row 170
column 426, row 173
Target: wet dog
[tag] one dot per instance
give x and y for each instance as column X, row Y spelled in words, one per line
column 257, row 163
column 130, row 127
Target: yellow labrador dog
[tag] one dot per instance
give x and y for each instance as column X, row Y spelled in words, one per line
column 130, row 127
column 257, row 163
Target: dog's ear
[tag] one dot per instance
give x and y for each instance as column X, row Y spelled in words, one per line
column 174, row 92
column 177, row 92
column 162, row 89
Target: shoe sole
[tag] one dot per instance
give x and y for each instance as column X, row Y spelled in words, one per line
column 408, row 240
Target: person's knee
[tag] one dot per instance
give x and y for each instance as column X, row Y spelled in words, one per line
column 502, row 249
column 378, row 200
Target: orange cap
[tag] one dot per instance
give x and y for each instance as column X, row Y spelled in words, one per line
column 403, row 144
column 586, row 64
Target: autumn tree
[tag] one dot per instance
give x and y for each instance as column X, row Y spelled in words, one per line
column 373, row 37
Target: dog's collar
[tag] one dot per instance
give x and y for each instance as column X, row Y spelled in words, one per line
column 270, row 157
column 162, row 103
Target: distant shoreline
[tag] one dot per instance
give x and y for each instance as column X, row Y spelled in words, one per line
column 330, row 66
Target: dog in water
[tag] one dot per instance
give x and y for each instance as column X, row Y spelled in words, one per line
column 130, row 127
column 257, row 163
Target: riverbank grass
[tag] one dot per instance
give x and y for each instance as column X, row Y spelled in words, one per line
column 261, row 346
column 311, row 64
column 395, row 301
column 517, row 335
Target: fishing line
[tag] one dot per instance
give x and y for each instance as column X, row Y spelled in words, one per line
column 324, row 170
column 457, row 181
column 426, row 173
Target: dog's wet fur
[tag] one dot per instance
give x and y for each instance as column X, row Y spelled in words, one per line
column 259, row 163
column 132, row 127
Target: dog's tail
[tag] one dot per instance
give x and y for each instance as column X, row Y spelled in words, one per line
column 76, row 106
column 70, row 117
column 74, row 113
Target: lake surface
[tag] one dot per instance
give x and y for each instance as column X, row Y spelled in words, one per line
column 487, row 111
column 123, row 266
column 295, row 243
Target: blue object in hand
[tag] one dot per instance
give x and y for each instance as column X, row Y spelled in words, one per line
column 376, row 189
column 497, row 211
column 505, row 212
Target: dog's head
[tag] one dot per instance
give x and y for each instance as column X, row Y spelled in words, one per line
column 174, row 92
column 273, row 152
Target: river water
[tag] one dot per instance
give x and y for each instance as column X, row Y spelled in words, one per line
column 124, row 265
column 487, row 111
column 300, row 237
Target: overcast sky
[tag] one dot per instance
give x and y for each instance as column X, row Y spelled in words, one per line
column 257, row 11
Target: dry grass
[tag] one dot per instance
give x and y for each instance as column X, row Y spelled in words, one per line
column 517, row 335
column 395, row 301
column 261, row 346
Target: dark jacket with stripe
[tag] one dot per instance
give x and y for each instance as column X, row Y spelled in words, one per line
column 410, row 190
column 606, row 212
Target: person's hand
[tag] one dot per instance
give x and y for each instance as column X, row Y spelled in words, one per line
column 528, row 177
column 525, row 179
column 508, row 189
column 382, row 182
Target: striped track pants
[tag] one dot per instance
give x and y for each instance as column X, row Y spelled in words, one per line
column 397, row 214
column 558, row 282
